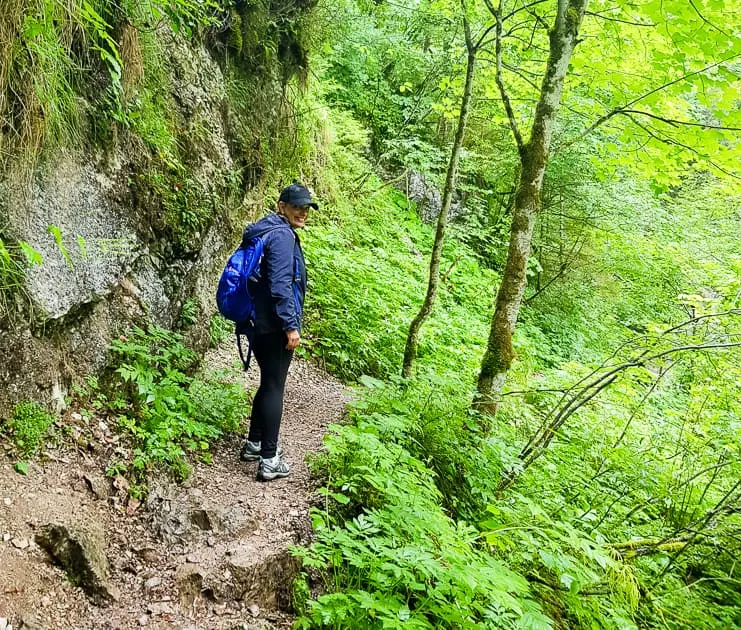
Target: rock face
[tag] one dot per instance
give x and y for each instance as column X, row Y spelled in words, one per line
column 113, row 247
column 81, row 553
column 426, row 195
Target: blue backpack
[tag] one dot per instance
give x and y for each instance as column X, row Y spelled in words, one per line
column 233, row 296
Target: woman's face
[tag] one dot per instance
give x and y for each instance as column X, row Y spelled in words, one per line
column 296, row 215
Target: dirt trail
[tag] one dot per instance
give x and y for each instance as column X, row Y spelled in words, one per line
column 208, row 555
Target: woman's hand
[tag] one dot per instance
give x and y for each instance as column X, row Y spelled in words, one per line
column 293, row 339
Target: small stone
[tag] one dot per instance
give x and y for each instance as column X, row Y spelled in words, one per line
column 189, row 583
column 19, row 543
column 3, row 623
column 144, row 620
column 293, row 513
column 254, row 610
column 8, row 501
column 220, row 609
column 211, row 541
column 159, row 608
column 97, row 485
column 76, row 416
column 45, row 601
column 148, row 554
column 192, row 559
column 6, row 537
column 120, row 484
column 152, row 582
column 31, row 622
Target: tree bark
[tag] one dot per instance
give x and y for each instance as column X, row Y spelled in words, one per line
column 410, row 350
column 533, row 159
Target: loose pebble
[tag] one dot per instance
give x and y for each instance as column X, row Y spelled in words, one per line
column 144, row 620
column 19, row 543
column 152, row 582
column 8, row 501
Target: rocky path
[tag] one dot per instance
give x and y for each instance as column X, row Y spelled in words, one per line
column 210, row 554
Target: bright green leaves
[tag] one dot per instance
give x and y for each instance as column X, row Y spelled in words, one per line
column 675, row 79
column 167, row 411
column 402, row 562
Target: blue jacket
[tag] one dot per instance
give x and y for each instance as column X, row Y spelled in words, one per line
column 281, row 286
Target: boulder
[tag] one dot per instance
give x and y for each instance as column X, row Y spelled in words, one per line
column 81, row 553
column 261, row 581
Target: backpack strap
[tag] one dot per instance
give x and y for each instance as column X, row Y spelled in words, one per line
column 248, row 330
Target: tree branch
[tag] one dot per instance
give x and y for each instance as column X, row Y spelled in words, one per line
column 612, row 19
column 604, row 118
column 704, row 19
column 500, row 84
column 675, row 123
column 569, row 405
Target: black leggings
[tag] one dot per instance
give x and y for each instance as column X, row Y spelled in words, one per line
column 267, row 408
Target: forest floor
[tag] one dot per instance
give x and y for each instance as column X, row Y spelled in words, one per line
column 209, row 554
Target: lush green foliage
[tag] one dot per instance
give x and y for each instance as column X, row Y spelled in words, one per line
column 592, row 502
column 14, row 260
column 28, row 427
column 602, row 523
column 402, row 562
column 165, row 409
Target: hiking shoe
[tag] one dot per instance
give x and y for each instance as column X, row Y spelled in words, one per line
column 251, row 451
column 272, row 468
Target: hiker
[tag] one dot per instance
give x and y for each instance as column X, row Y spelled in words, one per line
column 279, row 298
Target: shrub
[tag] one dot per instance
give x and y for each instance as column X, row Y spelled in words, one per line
column 167, row 410
column 28, row 426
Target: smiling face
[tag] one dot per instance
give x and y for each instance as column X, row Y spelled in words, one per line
column 296, row 215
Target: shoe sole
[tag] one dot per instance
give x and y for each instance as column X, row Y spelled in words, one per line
column 261, row 476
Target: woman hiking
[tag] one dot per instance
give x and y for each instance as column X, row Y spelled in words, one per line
column 279, row 294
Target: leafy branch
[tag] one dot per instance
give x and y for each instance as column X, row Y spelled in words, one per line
column 590, row 386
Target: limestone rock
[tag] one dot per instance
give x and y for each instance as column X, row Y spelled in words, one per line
column 263, row 581
column 205, row 519
column 32, row 622
column 189, row 582
column 426, row 195
column 81, row 553
column 98, row 485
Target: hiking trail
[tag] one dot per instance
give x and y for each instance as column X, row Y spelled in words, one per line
column 208, row 554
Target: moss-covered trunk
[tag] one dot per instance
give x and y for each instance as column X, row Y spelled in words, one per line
column 534, row 159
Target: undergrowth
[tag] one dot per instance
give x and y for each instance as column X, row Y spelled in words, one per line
column 166, row 407
column 599, row 531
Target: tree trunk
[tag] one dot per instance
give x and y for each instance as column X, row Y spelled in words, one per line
column 410, row 351
column 533, row 159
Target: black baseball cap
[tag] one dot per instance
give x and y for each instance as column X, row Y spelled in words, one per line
column 297, row 195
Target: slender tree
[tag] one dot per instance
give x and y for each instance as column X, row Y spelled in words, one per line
column 472, row 49
column 702, row 137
